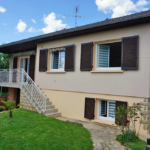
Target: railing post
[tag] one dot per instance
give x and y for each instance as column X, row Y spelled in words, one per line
column 32, row 92
column 10, row 75
column 45, row 104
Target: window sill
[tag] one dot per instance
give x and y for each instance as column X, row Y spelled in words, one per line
column 104, row 122
column 107, row 71
column 54, row 72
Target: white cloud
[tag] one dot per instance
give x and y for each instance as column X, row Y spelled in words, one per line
column 121, row 7
column 63, row 17
column 2, row 9
column 21, row 26
column 5, row 24
column 33, row 21
column 52, row 24
column 33, row 30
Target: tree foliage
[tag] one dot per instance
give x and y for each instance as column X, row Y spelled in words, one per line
column 9, row 105
column 4, row 61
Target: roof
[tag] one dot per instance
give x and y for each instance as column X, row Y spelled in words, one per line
column 31, row 43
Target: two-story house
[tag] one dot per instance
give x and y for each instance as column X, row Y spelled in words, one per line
column 84, row 72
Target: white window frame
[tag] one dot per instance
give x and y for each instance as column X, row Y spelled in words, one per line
column 97, row 54
column 99, row 111
column 51, row 62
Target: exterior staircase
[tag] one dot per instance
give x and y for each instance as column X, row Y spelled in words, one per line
column 32, row 98
column 51, row 111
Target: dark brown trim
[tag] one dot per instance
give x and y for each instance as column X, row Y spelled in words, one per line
column 31, row 43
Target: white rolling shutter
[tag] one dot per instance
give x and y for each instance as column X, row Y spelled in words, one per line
column 112, row 107
column 103, row 56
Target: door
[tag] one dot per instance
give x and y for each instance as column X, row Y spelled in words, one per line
column 24, row 63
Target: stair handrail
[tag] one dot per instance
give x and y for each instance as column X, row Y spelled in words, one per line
column 21, row 77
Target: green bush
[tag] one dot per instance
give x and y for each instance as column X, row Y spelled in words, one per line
column 134, row 144
column 126, row 120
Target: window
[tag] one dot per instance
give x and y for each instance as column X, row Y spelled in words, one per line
column 105, row 110
column 57, row 60
column 108, row 56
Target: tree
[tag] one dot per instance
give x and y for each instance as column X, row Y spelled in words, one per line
column 9, row 105
column 4, row 61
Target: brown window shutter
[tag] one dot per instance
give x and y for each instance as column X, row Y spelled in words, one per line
column 69, row 57
column 15, row 62
column 14, row 67
column 43, row 60
column 89, row 108
column 130, row 53
column 86, row 56
column 32, row 67
column 120, row 103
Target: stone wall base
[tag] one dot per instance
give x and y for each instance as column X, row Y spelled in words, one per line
column 25, row 103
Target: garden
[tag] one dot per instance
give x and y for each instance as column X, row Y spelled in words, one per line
column 26, row 130
column 127, row 118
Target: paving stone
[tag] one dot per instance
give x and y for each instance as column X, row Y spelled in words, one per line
column 104, row 138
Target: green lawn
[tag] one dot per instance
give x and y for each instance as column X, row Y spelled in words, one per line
column 136, row 145
column 31, row 131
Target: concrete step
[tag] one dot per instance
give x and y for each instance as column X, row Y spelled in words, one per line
column 48, row 103
column 53, row 110
column 49, row 106
column 144, row 103
column 144, row 112
column 56, row 114
column 143, row 122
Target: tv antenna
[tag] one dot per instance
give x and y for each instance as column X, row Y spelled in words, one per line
column 76, row 15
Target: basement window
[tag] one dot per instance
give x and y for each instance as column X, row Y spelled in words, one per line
column 106, row 110
column 108, row 56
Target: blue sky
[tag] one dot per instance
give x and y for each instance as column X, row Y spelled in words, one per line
column 20, row 19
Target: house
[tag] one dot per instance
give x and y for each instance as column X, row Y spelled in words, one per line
column 83, row 72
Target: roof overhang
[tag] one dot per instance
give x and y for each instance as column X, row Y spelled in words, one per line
column 31, row 43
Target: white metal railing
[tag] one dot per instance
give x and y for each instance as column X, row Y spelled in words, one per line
column 26, row 84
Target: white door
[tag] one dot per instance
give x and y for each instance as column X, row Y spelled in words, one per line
column 24, row 63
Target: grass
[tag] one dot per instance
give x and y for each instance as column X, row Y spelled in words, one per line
column 32, row 131
column 137, row 144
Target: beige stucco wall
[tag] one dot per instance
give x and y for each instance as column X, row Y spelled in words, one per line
column 71, row 104
column 128, row 83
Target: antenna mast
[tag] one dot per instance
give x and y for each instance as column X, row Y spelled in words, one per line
column 76, row 11
column 76, row 15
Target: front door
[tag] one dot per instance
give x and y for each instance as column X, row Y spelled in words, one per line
column 25, row 63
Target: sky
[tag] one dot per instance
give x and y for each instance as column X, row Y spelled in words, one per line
column 21, row 19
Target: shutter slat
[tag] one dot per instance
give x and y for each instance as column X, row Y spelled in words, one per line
column 86, row 63
column 32, row 67
column 120, row 103
column 89, row 108
column 69, row 57
column 43, row 60
column 130, row 53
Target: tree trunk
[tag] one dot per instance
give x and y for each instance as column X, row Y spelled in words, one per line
column 10, row 112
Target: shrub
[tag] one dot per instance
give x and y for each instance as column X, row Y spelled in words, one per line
column 128, row 126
